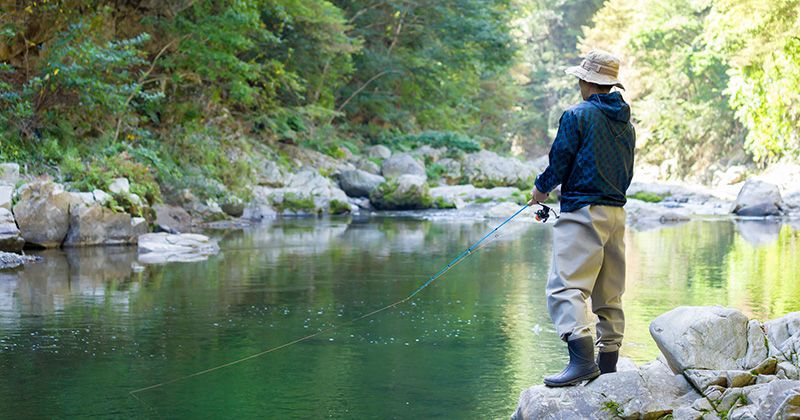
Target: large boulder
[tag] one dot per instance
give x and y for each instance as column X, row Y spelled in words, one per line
column 6, row 194
column 97, row 225
column 305, row 193
column 367, row 165
column 42, row 213
column 451, row 170
column 159, row 248
column 704, row 337
column 359, row 183
column 9, row 173
column 404, row 193
column 10, row 237
column 487, row 169
column 458, row 195
column 260, row 205
column 378, row 152
column 402, row 164
column 758, row 198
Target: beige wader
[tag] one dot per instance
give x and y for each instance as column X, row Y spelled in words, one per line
column 589, row 261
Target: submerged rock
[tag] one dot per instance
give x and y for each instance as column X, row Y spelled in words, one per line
column 10, row 260
column 758, row 198
column 10, row 237
column 159, row 248
column 42, row 213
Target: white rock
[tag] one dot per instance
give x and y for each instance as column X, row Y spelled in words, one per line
column 159, row 248
column 6, row 194
column 487, row 169
column 701, row 337
column 9, row 174
column 378, row 151
column 101, row 197
column 120, row 186
column 359, row 183
column 402, row 164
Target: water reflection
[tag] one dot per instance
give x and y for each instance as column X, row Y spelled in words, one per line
column 87, row 325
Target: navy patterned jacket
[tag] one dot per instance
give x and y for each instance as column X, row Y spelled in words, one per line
column 592, row 155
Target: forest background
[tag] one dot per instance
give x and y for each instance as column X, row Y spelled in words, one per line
column 178, row 93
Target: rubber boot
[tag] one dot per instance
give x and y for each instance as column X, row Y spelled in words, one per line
column 607, row 362
column 581, row 365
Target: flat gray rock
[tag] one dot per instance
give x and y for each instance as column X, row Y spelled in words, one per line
column 160, row 248
column 358, row 183
column 402, row 164
column 10, row 237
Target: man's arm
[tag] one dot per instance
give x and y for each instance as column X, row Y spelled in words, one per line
column 562, row 154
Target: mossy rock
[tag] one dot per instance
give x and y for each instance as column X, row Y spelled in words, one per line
column 338, row 207
column 407, row 192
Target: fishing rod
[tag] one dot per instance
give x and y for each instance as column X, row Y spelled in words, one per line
column 542, row 215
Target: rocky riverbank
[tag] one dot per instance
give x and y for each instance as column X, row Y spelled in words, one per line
column 715, row 363
column 37, row 212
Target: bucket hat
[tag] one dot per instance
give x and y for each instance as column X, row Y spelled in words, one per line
column 598, row 67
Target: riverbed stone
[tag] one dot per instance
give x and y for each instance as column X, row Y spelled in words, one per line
column 159, row 248
column 359, row 183
column 271, row 175
column 428, row 153
column 97, row 225
column 452, row 170
column 9, row 174
column 120, row 186
column 402, row 164
column 10, row 237
column 404, row 193
column 758, row 198
column 42, row 213
column 757, row 349
column 487, row 169
column 378, row 151
column 701, row 337
column 260, row 205
column 367, row 165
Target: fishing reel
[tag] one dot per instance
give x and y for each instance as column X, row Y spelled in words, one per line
column 544, row 213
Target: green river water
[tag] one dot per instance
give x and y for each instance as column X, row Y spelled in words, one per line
column 85, row 327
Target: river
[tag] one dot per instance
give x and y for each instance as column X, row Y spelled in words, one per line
column 82, row 329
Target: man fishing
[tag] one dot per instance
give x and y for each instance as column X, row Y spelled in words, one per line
column 592, row 159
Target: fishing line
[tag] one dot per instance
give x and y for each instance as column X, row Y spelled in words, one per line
column 461, row 257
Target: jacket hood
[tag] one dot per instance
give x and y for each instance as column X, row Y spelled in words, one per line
column 612, row 105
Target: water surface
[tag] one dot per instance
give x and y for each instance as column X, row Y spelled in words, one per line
column 85, row 327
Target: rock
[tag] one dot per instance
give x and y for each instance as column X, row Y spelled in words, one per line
column 321, row 162
column 767, row 367
column 757, row 350
column 644, row 215
column 42, row 213
column 758, row 198
column 345, row 153
column 787, row 369
column 367, row 165
column 10, row 237
column 233, row 207
column 712, row 338
column 101, row 197
column 173, row 217
column 9, row 174
column 10, row 260
column 378, row 151
column 702, row 379
column 487, row 169
column 159, row 248
column 405, row 193
column 139, row 227
column 686, row 413
column 85, row 198
column 452, row 170
column 402, row 164
column 358, row 183
column 120, row 186
column 428, row 153
column 6, row 194
column 504, row 210
column 271, row 175
column 779, row 399
column 782, row 329
column 260, row 206
column 628, row 394
column 454, row 194
column 97, row 225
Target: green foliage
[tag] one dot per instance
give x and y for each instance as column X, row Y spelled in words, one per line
column 295, row 203
column 613, row 408
column 647, row 196
column 338, row 207
column 437, row 139
column 441, row 203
